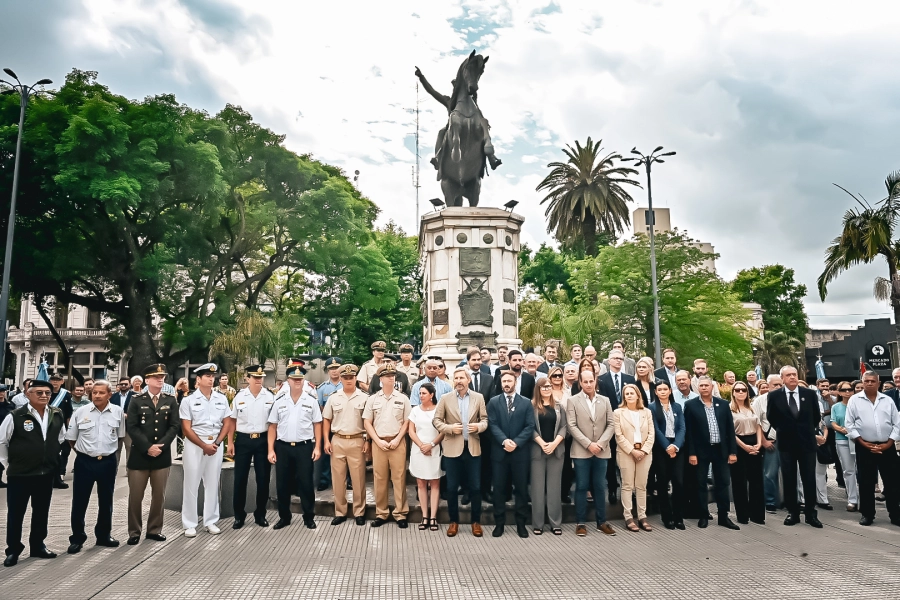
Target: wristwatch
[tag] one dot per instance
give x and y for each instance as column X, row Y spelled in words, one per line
column 217, row 443
column 432, row 444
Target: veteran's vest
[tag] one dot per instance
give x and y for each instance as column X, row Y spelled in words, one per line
column 29, row 453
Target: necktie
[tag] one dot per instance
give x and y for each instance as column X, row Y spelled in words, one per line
column 509, row 404
column 618, row 388
column 476, row 382
column 155, row 400
column 795, row 410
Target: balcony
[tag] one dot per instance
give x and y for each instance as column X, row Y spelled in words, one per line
column 36, row 334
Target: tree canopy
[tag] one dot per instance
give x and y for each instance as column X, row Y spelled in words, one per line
column 773, row 287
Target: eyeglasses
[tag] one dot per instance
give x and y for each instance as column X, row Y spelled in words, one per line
column 546, row 387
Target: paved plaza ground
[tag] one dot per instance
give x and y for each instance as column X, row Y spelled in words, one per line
column 845, row 560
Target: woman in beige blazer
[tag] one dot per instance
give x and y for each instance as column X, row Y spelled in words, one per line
column 635, row 435
column 547, row 455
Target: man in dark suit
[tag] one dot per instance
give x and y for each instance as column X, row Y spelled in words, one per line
column 551, row 352
column 524, row 384
column 511, row 423
column 610, row 385
column 122, row 398
column 894, row 394
column 711, row 440
column 669, row 369
column 794, row 413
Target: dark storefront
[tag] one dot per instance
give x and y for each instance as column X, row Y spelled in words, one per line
column 870, row 343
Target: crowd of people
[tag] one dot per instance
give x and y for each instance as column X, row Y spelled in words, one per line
column 537, row 430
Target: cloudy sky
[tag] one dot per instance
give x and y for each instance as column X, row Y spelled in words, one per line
column 768, row 103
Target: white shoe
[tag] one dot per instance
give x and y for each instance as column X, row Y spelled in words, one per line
column 212, row 529
column 190, row 532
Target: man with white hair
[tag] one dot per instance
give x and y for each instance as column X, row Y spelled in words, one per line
column 771, row 460
column 751, row 380
column 894, row 394
column 628, row 364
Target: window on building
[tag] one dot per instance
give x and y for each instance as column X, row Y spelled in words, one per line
column 61, row 316
column 93, row 319
column 81, row 359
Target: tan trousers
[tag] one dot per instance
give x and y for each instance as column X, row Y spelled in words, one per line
column 634, row 477
column 391, row 465
column 348, row 455
column 137, row 485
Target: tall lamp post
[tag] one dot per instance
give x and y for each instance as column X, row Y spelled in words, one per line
column 647, row 161
column 24, row 91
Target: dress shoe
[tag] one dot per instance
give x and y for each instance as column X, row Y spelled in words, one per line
column 42, row 553
column 60, row 484
column 852, row 508
column 498, row 531
column 309, row 522
column 791, row 520
column 465, row 500
column 453, row 529
column 814, row 521
column 758, row 521
column 879, row 497
column 824, row 506
column 703, row 523
column 322, row 487
column 402, row 523
column 156, row 537
column 133, row 540
column 743, row 521
column 338, row 520
column 11, row 560
column 108, row 542
column 282, row 523
column 581, row 530
column 866, row 521
column 679, row 525
column 190, row 532
column 728, row 524
column 522, row 530
column 612, row 497
column 360, row 520
column 238, row 523
column 477, row 531
column 668, row 524
column 566, row 500
column 770, row 508
column 74, row 549
column 213, row 529
column 262, row 522
column 378, row 522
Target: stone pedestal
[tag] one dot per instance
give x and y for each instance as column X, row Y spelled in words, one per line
column 470, row 279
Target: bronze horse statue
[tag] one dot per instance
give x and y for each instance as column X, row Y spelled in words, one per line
column 463, row 147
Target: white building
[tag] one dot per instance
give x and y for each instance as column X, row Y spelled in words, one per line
column 640, row 220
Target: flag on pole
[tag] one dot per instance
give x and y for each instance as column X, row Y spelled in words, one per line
column 759, row 374
column 820, row 369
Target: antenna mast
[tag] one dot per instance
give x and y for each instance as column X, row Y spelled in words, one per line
column 415, row 174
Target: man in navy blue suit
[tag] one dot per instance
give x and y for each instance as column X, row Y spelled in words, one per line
column 511, row 422
column 123, row 396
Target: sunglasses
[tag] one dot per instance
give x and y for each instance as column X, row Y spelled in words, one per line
column 742, row 390
column 845, row 390
column 41, row 393
column 556, row 376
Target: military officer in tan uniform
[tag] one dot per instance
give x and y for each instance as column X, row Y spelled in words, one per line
column 406, row 365
column 347, row 447
column 370, row 368
column 387, row 418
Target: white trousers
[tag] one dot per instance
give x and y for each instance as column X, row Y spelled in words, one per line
column 199, row 467
column 848, row 461
column 821, row 484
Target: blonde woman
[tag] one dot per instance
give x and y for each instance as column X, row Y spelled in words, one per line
column 635, row 435
column 645, row 379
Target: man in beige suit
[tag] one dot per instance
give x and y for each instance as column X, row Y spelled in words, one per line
column 590, row 418
column 462, row 446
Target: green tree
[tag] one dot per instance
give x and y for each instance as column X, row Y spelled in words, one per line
column 545, row 271
column 867, row 235
column 777, row 349
column 586, row 196
column 774, row 288
column 699, row 314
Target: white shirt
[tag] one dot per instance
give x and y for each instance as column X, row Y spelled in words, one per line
column 636, row 419
column 760, row 406
column 680, row 398
column 252, row 412
column 872, row 421
column 6, row 431
column 592, row 402
column 206, row 416
column 295, row 419
column 95, row 432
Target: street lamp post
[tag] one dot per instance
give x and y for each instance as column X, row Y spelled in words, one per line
column 647, row 161
column 24, row 91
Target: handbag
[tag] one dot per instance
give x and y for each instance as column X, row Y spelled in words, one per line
column 825, row 454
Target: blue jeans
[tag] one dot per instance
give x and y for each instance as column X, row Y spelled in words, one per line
column 771, row 462
column 586, row 470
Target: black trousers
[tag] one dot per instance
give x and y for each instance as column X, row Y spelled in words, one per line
column 568, row 472
column 247, row 449
column 64, row 451
column 294, row 470
column 692, row 510
column 868, row 465
column 612, row 469
column 670, row 470
column 721, row 481
column 511, row 469
column 38, row 489
column 747, row 483
column 87, row 472
column 486, row 466
column 806, row 461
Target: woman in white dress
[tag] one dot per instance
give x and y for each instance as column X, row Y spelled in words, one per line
column 425, row 455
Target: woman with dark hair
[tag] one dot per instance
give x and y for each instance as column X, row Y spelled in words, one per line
column 747, row 471
column 547, row 455
column 668, row 458
column 425, row 454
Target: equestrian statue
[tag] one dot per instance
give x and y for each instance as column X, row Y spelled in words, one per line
column 463, row 149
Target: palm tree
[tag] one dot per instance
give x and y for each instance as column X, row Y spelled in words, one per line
column 867, row 234
column 777, row 350
column 586, row 195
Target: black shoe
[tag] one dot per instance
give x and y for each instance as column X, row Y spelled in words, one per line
column 338, row 520
column 238, row 523
column 262, row 522
column 758, row 521
column 360, row 520
column 825, row 506
column 866, row 521
column 156, row 537
column 612, row 497
column 74, row 549
column 498, row 531
column 465, row 501
column 60, row 484
column 679, row 525
column 791, row 520
column 402, row 523
column 309, row 522
column 728, row 524
column 743, row 521
column 42, row 553
column 377, row 522
column 814, row 521
column 281, row 524
column 108, row 542
column 522, row 530
column 11, row 560
column 133, row 540
column 322, row 487
column 703, row 523
column 668, row 524
column 566, row 500
column 771, row 509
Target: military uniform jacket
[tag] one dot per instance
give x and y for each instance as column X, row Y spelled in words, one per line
column 148, row 425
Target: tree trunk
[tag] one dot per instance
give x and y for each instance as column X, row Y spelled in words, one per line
column 589, row 234
column 138, row 323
